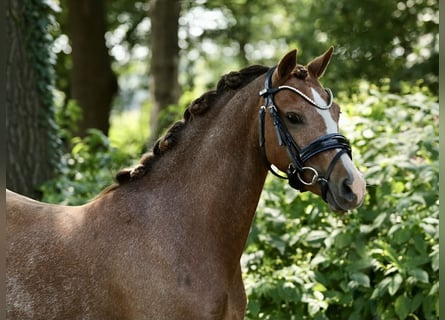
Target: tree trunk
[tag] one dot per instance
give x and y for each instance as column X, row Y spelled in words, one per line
column 30, row 148
column 164, row 15
column 93, row 82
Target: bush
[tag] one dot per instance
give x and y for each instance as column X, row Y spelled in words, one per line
column 94, row 160
column 378, row 262
column 86, row 170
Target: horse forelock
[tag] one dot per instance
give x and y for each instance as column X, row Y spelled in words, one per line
column 300, row 72
column 232, row 81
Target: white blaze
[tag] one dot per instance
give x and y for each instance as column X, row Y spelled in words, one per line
column 358, row 183
column 331, row 125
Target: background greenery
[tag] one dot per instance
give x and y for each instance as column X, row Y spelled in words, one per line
column 378, row 262
column 302, row 261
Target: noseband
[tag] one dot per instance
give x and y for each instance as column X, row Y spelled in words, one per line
column 299, row 156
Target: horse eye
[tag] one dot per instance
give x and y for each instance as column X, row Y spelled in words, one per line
column 294, row 118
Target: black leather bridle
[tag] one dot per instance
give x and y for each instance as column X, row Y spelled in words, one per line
column 299, row 156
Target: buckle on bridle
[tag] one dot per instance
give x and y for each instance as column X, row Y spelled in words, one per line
column 314, row 179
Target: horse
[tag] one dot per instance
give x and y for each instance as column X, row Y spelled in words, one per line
column 165, row 240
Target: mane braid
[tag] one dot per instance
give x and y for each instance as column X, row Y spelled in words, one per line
column 231, row 81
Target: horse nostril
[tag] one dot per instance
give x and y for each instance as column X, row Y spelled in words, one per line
column 347, row 192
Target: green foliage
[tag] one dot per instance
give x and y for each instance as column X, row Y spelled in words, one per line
column 86, row 170
column 400, row 42
column 129, row 131
column 67, row 117
column 380, row 261
column 38, row 23
column 93, row 161
column 167, row 117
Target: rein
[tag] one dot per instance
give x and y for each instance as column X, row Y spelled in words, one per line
column 299, row 156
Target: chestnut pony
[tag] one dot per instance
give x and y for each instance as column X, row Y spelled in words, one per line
column 165, row 241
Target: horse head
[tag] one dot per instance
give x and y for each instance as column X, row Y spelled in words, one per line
column 301, row 134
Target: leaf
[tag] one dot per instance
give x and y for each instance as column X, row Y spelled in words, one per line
column 318, row 259
column 435, row 261
column 316, row 235
column 254, row 307
column 429, row 229
column 365, row 228
column 395, row 283
column 419, row 274
column 313, row 308
column 274, row 241
column 343, row 240
column 402, row 306
column 381, row 288
column 361, row 279
column 434, row 289
column 420, row 244
column 379, row 220
column 315, row 305
column 431, row 220
column 402, row 235
column 319, row 287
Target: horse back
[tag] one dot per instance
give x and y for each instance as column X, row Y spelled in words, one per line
column 51, row 271
column 22, row 211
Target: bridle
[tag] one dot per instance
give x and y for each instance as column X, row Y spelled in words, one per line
column 299, row 156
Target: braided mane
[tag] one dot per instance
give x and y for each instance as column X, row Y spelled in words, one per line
column 231, row 81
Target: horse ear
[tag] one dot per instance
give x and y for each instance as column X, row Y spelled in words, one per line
column 318, row 66
column 286, row 64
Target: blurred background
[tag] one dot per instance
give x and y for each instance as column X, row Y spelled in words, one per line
column 92, row 84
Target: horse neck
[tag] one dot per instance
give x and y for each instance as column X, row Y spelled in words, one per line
column 213, row 177
column 220, row 164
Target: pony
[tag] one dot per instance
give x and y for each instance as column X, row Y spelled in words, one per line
column 165, row 240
